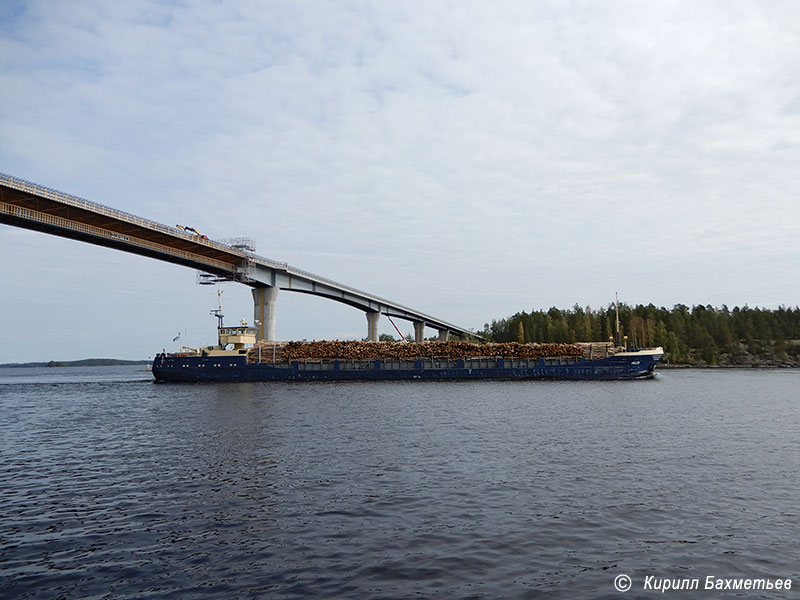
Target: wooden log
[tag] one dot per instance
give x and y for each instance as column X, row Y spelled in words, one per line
column 355, row 350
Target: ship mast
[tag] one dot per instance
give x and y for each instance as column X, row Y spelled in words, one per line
column 218, row 311
column 616, row 305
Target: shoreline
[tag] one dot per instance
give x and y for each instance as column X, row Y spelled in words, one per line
column 65, row 364
column 725, row 367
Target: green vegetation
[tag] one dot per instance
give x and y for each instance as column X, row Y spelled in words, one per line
column 702, row 335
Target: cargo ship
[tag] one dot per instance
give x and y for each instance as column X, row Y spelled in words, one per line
column 239, row 357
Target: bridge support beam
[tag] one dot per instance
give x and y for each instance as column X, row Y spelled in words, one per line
column 419, row 331
column 372, row 325
column 443, row 335
column 264, row 299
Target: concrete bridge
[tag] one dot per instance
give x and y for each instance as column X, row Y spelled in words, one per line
column 31, row 206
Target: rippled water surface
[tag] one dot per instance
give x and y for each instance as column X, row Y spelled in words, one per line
column 112, row 486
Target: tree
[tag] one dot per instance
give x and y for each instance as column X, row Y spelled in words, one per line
column 702, row 333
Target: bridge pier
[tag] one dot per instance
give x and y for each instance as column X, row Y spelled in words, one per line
column 443, row 335
column 419, row 331
column 264, row 299
column 93, row 223
column 372, row 325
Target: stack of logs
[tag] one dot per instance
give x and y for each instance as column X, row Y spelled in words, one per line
column 597, row 350
column 351, row 350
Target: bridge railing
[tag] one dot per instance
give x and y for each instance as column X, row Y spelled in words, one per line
column 48, row 219
column 53, row 194
column 377, row 299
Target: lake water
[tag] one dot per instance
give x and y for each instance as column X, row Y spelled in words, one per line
column 112, row 486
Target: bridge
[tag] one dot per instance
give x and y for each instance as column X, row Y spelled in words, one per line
column 39, row 208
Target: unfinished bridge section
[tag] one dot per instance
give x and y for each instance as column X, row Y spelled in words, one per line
column 39, row 208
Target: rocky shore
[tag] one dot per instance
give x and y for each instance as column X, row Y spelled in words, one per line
column 726, row 361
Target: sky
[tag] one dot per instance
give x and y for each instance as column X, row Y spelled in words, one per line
column 468, row 159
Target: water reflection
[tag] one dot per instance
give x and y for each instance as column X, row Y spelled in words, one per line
column 506, row 489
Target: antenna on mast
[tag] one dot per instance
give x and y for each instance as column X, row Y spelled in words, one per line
column 218, row 311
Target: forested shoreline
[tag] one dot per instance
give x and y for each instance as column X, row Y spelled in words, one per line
column 700, row 335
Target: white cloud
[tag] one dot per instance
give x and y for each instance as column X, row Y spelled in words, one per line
column 472, row 160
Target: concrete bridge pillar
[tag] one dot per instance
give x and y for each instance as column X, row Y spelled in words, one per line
column 419, row 331
column 443, row 335
column 372, row 326
column 264, row 299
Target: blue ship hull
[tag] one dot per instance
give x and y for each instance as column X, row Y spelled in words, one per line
column 176, row 368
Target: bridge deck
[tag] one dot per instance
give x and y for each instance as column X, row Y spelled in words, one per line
column 31, row 206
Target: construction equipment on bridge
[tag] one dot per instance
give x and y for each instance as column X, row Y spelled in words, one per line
column 243, row 244
column 39, row 208
column 192, row 230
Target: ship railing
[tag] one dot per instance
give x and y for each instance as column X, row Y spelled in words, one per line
column 427, row 362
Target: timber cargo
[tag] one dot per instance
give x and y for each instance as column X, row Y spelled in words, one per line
column 265, row 351
column 354, row 361
column 239, row 357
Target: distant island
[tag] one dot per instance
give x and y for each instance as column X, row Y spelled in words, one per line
column 86, row 362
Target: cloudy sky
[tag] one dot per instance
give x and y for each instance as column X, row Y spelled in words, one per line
column 468, row 159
